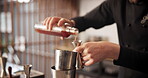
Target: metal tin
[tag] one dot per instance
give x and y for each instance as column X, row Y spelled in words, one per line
column 65, row 60
column 62, row 73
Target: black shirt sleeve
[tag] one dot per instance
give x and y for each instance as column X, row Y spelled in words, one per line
column 132, row 59
column 97, row 18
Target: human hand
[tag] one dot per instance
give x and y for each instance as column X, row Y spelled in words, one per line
column 57, row 21
column 93, row 52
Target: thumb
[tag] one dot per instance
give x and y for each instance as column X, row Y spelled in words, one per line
column 78, row 49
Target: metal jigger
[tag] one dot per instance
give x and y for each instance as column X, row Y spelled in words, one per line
column 79, row 64
column 27, row 70
column 3, row 61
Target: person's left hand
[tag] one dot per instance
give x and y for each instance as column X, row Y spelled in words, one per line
column 93, row 52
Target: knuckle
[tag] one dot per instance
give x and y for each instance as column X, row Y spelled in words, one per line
column 67, row 20
column 85, row 58
column 48, row 20
column 89, row 50
column 86, row 44
column 78, row 49
column 58, row 18
column 53, row 18
column 62, row 19
column 92, row 61
column 91, row 56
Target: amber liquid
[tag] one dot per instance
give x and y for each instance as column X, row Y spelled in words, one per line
column 62, row 33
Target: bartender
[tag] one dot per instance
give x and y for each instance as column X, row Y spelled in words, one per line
column 131, row 17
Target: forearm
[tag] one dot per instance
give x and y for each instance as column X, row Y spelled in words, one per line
column 97, row 18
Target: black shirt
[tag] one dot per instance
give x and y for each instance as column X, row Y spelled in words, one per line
column 133, row 35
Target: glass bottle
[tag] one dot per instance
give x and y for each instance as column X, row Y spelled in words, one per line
column 56, row 30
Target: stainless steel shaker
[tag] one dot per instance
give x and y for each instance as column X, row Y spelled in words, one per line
column 65, row 60
column 65, row 64
column 63, row 73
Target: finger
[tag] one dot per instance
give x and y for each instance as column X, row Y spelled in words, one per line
column 73, row 22
column 54, row 20
column 79, row 49
column 62, row 38
column 86, row 51
column 87, row 57
column 44, row 22
column 63, row 21
column 89, row 62
column 47, row 22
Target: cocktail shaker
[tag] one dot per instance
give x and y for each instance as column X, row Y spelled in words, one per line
column 65, row 64
column 63, row 73
column 65, row 60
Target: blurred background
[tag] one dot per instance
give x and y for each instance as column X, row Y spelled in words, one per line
column 22, row 45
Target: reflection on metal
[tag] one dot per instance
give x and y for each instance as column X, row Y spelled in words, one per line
column 63, row 73
column 3, row 61
column 79, row 63
column 65, row 64
column 65, row 60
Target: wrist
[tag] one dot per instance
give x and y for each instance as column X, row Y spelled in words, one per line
column 116, row 52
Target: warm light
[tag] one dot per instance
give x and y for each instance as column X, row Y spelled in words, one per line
column 14, row 0
column 26, row 1
column 20, row 1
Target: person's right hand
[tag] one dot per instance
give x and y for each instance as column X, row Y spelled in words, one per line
column 57, row 21
column 93, row 52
